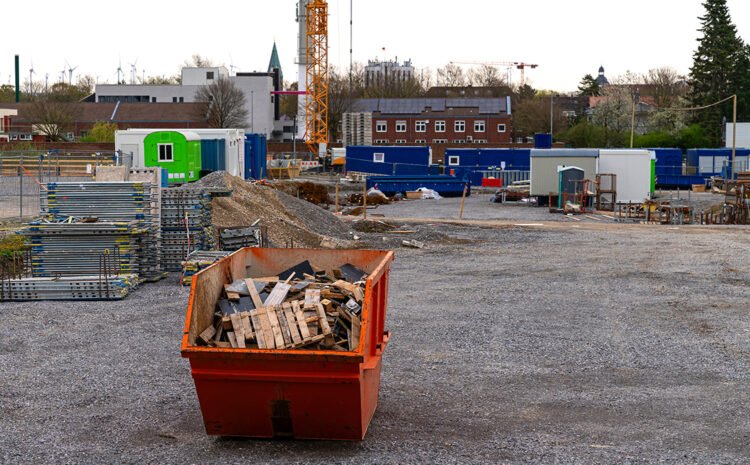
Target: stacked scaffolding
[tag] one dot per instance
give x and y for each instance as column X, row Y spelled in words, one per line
column 97, row 287
column 115, row 202
column 185, row 225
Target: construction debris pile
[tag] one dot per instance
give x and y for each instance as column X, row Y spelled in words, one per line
column 186, row 225
column 291, row 222
column 301, row 308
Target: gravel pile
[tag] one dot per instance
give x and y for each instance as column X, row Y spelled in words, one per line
column 289, row 220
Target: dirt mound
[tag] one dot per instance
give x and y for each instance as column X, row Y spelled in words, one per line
column 289, row 220
column 309, row 191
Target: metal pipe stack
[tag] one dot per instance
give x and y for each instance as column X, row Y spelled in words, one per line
column 185, row 225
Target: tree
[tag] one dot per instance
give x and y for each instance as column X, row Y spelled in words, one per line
column 289, row 103
column 451, row 76
column 161, row 80
column 222, row 104
column 666, row 86
column 51, row 117
column 613, row 113
column 102, row 131
column 197, row 61
column 717, row 69
column 486, row 76
column 589, row 86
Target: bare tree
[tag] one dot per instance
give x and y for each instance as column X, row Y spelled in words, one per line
column 486, row 76
column 222, row 104
column 197, row 61
column 51, row 117
column 451, row 76
column 667, row 86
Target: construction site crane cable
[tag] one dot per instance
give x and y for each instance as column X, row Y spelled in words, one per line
column 316, row 110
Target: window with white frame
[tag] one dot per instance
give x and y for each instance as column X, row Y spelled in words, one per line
column 440, row 126
column 459, row 141
column 381, row 126
column 166, row 152
column 25, row 137
column 459, row 126
column 454, row 160
column 439, row 141
column 420, row 141
column 400, row 141
column 382, row 141
column 378, row 157
column 400, row 126
column 420, row 126
column 479, row 126
column 501, row 127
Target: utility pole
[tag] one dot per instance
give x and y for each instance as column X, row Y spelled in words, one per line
column 551, row 115
column 734, row 133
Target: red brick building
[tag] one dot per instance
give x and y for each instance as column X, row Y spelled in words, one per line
column 20, row 127
column 428, row 121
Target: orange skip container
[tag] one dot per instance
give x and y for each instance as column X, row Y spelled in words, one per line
column 304, row 394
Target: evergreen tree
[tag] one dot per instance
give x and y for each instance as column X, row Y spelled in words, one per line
column 717, row 69
column 589, row 86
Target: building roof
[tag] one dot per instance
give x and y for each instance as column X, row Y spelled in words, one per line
column 406, row 106
column 126, row 112
column 274, row 62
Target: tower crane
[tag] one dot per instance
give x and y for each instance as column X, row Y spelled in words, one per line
column 509, row 64
column 316, row 109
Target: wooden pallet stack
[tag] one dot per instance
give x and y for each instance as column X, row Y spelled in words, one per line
column 299, row 309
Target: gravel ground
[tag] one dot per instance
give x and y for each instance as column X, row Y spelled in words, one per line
column 626, row 344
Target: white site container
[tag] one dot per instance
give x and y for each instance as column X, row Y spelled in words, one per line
column 633, row 170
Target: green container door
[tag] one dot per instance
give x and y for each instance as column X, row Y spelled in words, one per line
column 179, row 153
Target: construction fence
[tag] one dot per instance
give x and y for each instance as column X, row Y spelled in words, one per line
column 24, row 175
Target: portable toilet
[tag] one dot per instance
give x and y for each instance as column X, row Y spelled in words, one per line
column 177, row 152
column 569, row 178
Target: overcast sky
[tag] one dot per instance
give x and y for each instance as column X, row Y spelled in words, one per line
column 567, row 39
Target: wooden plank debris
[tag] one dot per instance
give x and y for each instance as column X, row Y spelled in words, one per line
column 253, row 290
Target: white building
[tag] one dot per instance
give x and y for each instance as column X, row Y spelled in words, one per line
column 260, row 102
column 381, row 72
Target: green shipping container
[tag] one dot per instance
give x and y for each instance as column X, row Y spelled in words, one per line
column 177, row 152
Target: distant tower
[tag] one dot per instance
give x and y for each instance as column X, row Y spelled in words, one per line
column 601, row 79
column 274, row 63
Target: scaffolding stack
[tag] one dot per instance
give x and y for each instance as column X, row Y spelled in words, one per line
column 96, row 287
column 185, row 225
column 115, row 203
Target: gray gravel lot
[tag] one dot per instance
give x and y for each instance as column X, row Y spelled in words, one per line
column 619, row 344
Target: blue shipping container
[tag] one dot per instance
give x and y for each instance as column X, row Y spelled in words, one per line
column 446, row 186
column 711, row 162
column 256, row 149
column 468, row 164
column 543, row 141
column 388, row 160
column 668, row 161
column 213, row 155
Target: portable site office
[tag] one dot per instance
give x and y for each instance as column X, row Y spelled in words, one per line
column 546, row 164
column 179, row 153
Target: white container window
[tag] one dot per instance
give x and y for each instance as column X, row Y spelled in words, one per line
column 440, row 126
column 453, row 160
column 381, row 126
column 479, row 126
column 420, row 126
column 459, row 126
column 400, row 126
column 165, row 152
column 378, row 157
column 501, row 128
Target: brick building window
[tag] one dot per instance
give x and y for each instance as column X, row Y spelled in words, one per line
column 479, row 126
column 439, row 141
column 501, row 128
column 420, row 126
column 400, row 141
column 400, row 126
column 381, row 126
column 420, row 141
column 459, row 126
column 440, row 126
